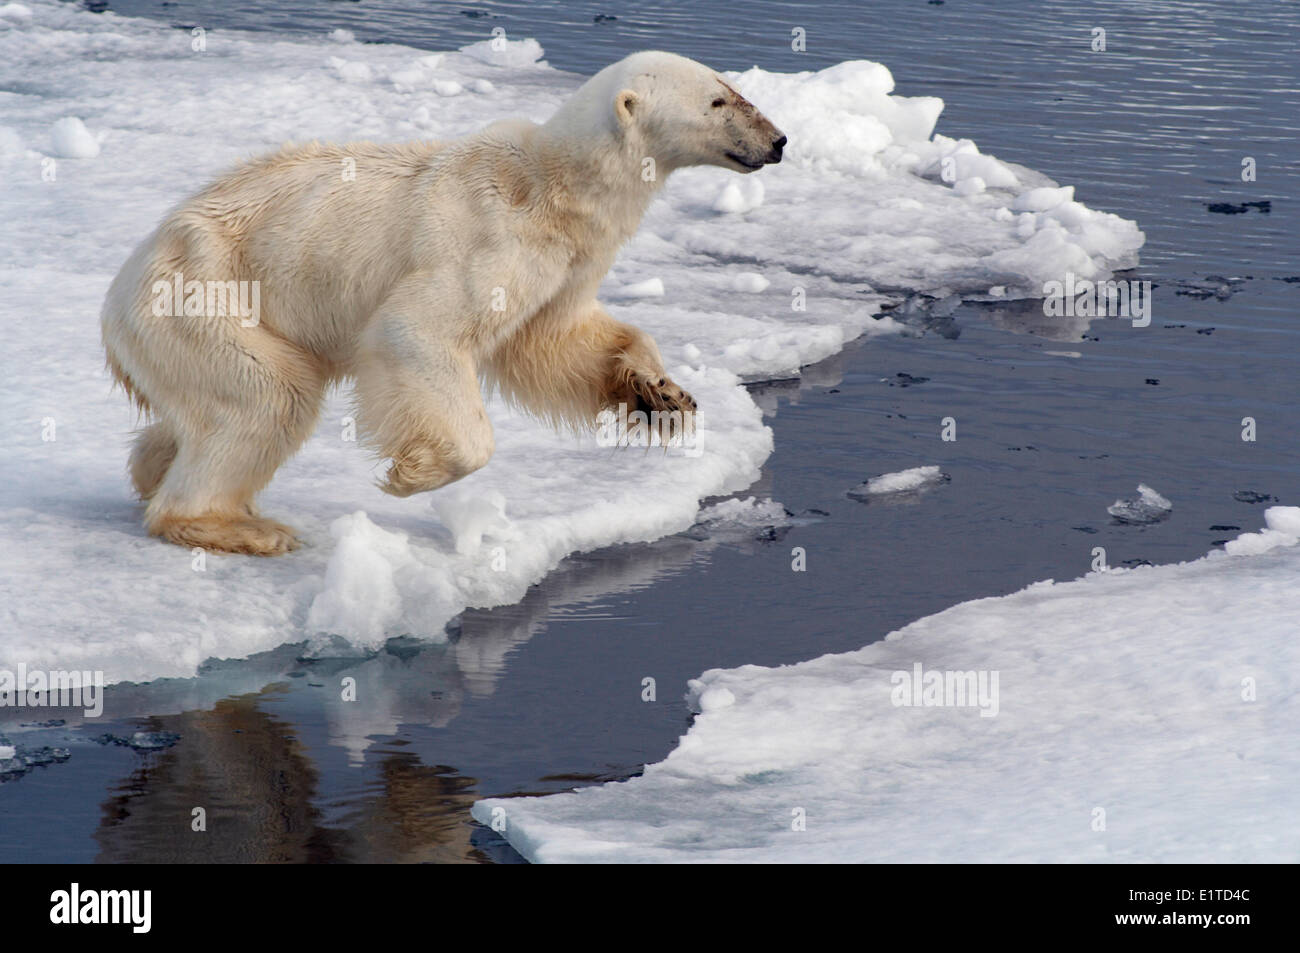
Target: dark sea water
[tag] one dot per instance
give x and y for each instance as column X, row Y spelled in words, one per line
column 546, row 695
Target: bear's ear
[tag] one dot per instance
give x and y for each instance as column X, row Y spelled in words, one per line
column 626, row 104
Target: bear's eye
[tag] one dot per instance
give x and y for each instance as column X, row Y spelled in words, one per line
column 719, row 102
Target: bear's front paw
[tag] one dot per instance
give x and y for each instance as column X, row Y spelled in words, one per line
column 668, row 410
column 416, row 468
column 660, row 393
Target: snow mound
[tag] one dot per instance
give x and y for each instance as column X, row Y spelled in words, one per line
column 742, row 196
column 1281, row 529
column 70, row 139
column 750, row 282
column 650, row 288
column 12, row 13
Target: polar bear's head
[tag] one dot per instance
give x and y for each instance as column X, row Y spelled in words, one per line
column 677, row 110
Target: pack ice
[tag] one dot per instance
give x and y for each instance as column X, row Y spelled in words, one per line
column 1144, row 715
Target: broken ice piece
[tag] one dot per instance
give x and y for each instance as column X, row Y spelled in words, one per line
column 1149, row 507
column 905, row 485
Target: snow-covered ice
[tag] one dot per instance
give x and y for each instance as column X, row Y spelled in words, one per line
column 748, row 512
column 1143, row 715
column 862, row 202
column 1281, row 528
column 11, row 144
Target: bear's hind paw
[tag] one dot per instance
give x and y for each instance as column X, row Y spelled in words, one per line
column 249, row 536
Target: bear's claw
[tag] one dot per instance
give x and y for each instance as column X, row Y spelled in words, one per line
column 675, row 407
column 661, row 394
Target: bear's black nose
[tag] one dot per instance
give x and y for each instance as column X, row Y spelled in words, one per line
column 776, row 149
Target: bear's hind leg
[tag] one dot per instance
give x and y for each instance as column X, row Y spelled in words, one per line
column 153, row 453
column 262, row 404
column 206, row 498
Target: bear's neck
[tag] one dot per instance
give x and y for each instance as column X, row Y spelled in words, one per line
column 601, row 178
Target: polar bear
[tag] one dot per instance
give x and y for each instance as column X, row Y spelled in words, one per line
column 421, row 271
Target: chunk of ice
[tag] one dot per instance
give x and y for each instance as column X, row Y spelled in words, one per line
column 1149, row 507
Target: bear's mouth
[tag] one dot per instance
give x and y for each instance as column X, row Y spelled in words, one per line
column 747, row 163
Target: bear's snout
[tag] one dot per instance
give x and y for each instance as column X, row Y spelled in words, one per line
column 774, row 156
column 764, row 147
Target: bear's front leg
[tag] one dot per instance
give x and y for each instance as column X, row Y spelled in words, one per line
column 568, row 368
column 418, row 396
